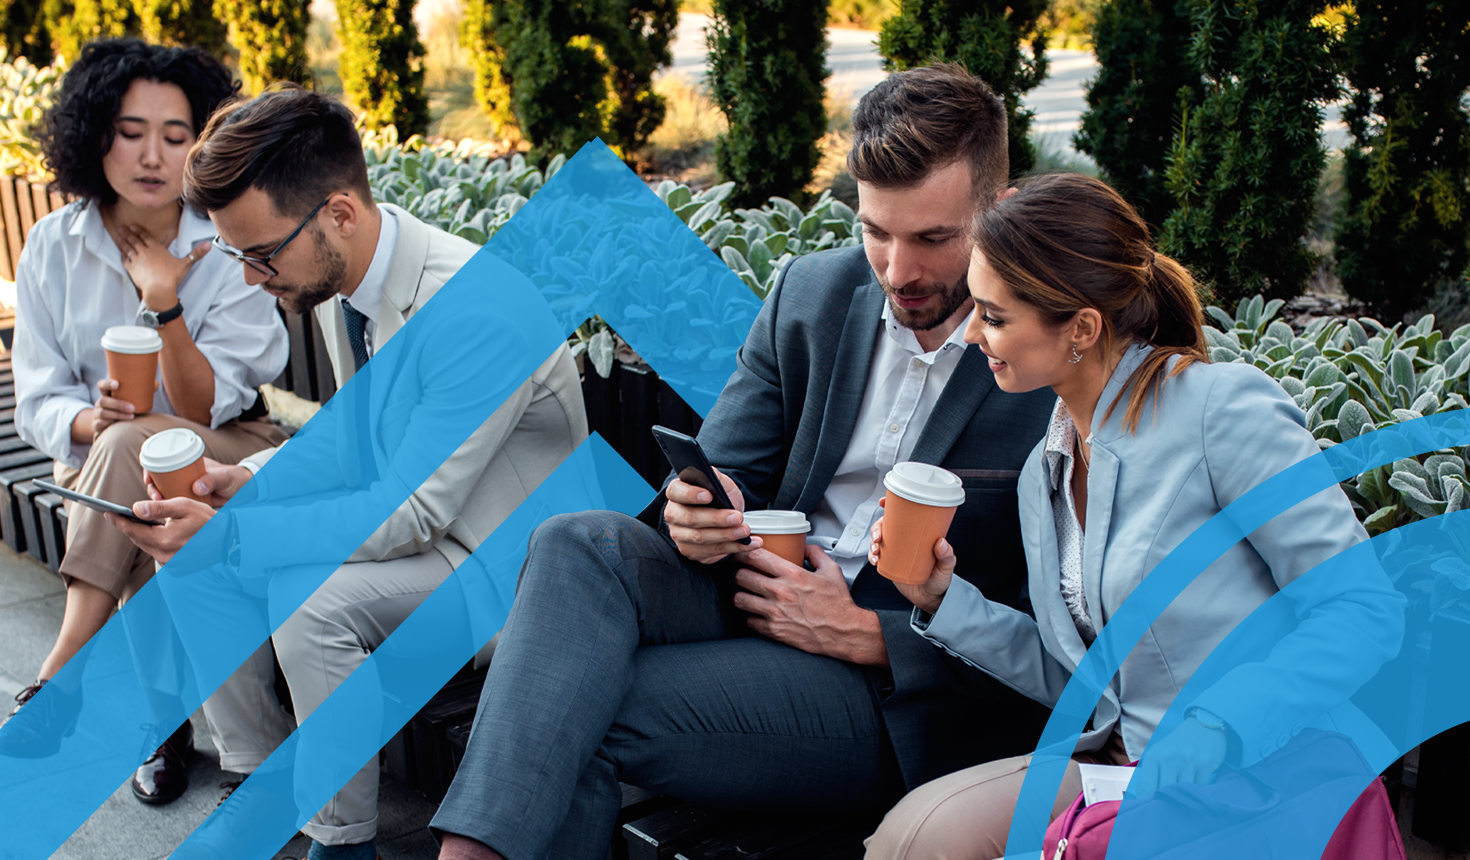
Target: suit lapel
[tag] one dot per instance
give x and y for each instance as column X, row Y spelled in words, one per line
column 852, row 363
column 968, row 387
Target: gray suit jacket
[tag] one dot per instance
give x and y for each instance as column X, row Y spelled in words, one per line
column 502, row 462
column 782, row 425
column 1220, row 430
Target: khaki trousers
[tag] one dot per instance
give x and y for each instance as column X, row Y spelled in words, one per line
column 322, row 643
column 97, row 553
column 967, row 814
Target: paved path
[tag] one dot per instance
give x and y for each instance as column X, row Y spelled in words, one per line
column 31, row 603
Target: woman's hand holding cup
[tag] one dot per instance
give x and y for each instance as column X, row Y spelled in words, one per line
column 108, row 410
column 928, row 594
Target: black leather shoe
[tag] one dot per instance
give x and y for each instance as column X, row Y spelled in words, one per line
column 165, row 775
column 36, row 731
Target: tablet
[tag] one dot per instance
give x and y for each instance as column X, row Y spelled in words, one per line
column 94, row 502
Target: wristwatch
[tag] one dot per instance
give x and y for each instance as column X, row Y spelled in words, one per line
column 155, row 319
column 1207, row 719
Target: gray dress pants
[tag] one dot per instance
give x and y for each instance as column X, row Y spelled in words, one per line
column 623, row 661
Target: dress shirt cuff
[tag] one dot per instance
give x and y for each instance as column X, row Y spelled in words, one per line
column 955, row 617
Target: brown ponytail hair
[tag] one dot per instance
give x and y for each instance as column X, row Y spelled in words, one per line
column 1064, row 242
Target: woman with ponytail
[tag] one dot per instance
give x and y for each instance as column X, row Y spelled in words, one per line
column 1147, row 442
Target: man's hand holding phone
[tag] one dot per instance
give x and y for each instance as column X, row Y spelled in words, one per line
column 703, row 533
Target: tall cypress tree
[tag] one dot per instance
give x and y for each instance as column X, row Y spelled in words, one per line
column 1245, row 162
column 584, row 70
column 1407, row 173
column 189, row 23
column 492, row 82
column 271, row 38
column 768, row 67
column 25, row 31
column 382, row 64
column 1132, row 105
column 985, row 36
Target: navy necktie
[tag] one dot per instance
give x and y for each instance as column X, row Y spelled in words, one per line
column 356, row 324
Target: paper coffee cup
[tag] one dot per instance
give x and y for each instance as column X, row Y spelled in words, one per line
column 920, row 506
column 132, row 360
column 781, row 532
column 175, row 458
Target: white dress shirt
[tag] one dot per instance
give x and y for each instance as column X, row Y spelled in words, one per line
column 71, row 286
column 1061, row 445
column 367, row 299
column 904, row 383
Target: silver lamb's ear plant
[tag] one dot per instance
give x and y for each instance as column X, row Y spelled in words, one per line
column 1355, row 377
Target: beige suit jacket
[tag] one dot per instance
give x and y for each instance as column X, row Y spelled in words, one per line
column 503, row 461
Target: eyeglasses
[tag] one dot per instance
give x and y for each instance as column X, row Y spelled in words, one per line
column 263, row 264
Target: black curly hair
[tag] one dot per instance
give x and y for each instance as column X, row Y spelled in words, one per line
column 77, row 131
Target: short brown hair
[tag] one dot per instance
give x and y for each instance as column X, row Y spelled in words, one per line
column 1064, row 242
column 297, row 146
column 917, row 121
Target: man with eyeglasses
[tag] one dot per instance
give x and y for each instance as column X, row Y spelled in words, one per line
column 284, row 180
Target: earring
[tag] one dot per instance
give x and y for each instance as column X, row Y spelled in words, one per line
column 1076, row 357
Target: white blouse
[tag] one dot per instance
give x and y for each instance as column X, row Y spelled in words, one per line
column 71, row 286
column 1061, row 445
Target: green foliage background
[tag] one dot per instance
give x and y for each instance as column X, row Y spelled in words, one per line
column 382, row 63
column 1407, row 172
column 768, row 68
column 1128, row 127
column 984, row 36
column 1245, row 162
column 271, row 36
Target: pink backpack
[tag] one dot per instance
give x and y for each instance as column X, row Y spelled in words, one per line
column 1368, row 831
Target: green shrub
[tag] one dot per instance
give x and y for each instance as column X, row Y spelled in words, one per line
column 492, row 84
column 985, row 36
column 189, row 23
column 382, row 64
column 1244, row 165
column 768, row 65
column 74, row 23
column 26, row 90
column 1128, row 126
column 1354, row 377
column 24, row 30
column 1407, row 172
column 583, row 70
column 271, row 38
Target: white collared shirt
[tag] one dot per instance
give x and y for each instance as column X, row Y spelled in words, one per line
column 904, row 383
column 1061, row 445
column 71, row 286
column 368, row 297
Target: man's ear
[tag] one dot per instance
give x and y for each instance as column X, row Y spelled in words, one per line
column 1006, row 193
column 345, row 211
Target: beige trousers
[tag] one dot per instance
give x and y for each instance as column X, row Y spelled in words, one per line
column 967, row 814
column 322, row 643
column 99, row 554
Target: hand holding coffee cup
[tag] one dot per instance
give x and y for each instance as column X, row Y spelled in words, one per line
column 703, row 533
column 174, row 460
column 919, row 506
column 928, row 594
column 132, row 362
column 781, row 532
column 218, row 485
column 107, row 411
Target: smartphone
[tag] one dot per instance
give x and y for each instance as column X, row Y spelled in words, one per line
column 693, row 467
column 94, row 502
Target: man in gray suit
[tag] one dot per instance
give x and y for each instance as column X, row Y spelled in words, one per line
column 284, row 180
column 629, row 653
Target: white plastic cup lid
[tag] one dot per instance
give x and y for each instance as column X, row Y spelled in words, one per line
column 171, row 450
column 131, row 340
column 925, row 484
column 777, row 522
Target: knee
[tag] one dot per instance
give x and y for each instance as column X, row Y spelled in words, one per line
column 122, row 437
column 301, row 636
column 587, row 536
column 934, row 822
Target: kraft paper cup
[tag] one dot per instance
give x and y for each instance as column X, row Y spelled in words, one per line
column 920, row 506
column 132, row 360
column 781, row 532
column 175, row 458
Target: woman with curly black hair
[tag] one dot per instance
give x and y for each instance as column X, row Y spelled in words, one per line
column 128, row 252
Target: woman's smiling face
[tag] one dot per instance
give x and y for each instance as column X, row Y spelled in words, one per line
column 1025, row 352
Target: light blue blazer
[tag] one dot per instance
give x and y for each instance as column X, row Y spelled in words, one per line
column 1216, row 431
